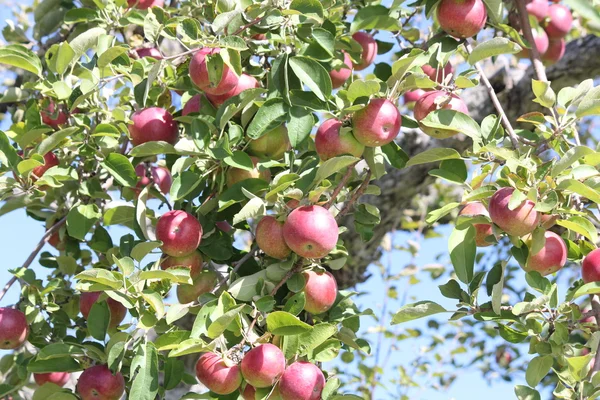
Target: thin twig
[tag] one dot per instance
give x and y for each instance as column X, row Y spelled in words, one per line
column 248, row 25
column 185, row 53
column 237, row 266
column 340, row 186
column 361, row 189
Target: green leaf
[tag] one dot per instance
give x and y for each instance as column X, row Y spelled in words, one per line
column 526, row 393
column 152, row 149
column 590, row 104
column 244, row 288
column 251, row 210
column 569, row 158
column 220, row 324
column 240, row 160
column 492, row 48
column 417, row 310
column 374, row 17
column 86, row 40
column 394, row 155
column 313, row 75
column 586, row 9
column 308, row 8
column 300, row 125
column 141, row 250
column 435, row 215
column 433, row 155
column 101, row 276
column 184, row 184
column 269, row 116
column 537, row 369
column 544, row 94
column 511, row 335
column 156, row 302
column 98, row 320
column 61, row 364
column 588, row 288
column 282, row 323
column 145, row 384
column 115, row 355
column 461, row 246
column 20, row 56
column 580, row 188
column 332, row 166
column 451, row 120
column 57, row 350
column 360, row 88
column 580, row 225
column 110, row 54
column 81, row 219
column 8, row 154
column 121, row 169
column 495, row 10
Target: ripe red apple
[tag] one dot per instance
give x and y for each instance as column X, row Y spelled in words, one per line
column 192, row 106
column 217, row 374
column 50, row 160
column 560, row 22
column 259, row 36
column 482, row 231
column 537, row 8
column 551, row 258
column 461, row 18
column 518, row 222
column 436, row 100
column 152, row 52
column 340, row 76
column 13, row 328
column 311, row 231
column 541, row 43
column 117, row 310
column 199, row 73
column 235, row 175
column 54, row 241
column 320, row 290
column 52, row 117
column 413, row 96
column 369, row 49
column 192, row 261
column 330, row 143
column 590, row 270
column 245, row 82
column 160, row 176
column 271, row 145
column 249, row 393
column 269, row 238
column 180, row 233
column 556, row 51
column 302, row 381
column 153, row 124
column 377, row 124
column 99, row 383
column 204, row 282
column 58, row 378
column 438, row 74
column 263, row 365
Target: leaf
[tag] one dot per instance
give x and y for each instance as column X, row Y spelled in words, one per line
column 309, row 8
column 282, row 323
column 110, row 54
column 20, row 56
column 585, row 9
column 433, row 155
column 300, row 125
column 360, row 88
column 244, row 288
column 269, row 116
column 394, row 155
column 121, row 169
column 81, row 219
column 580, row 225
column 374, row 17
column 543, row 93
column 254, row 208
column 570, row 157
column 152, row 148
column 145, row 384
column 462, row 248
column 86, row 40
column 511, row 335
column 98, row 320
column 537, row 369
column 492, row 48
column 101, row 276
column 61, row 364
column 313, row 75
column 141, row 250
column 220, row 324
column 184, row 184
column 332, row 166
column 8, row 154
column 240, row 160
column 451, row 120
column 588, row 288
column 526, row 393
column 435, row 215
column 156, row 302
column 580, row 188
column 495, row 9
column 590, row 104
column 417, row 310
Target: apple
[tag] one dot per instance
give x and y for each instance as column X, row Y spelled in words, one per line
column 292, row 204
column 117, row 310
column 199, row 73
column 590, row 270
column 204, row 282
column 13, row 328
column 329, row 142
column 153, row 124
column 50, row 160
column 259, row 36
column 191, row 261
column 269, row 238
column 438, row 74
column 461, row 18
column 53, row 117
column 180, row 233
column 192, row 106
column 541, row 43
column 249, row 393
column 482, row 231
column 99, row 383
column 263, row 365
column 341, row 75
column 271, row 145
column 551, row 258
column 235, row 175
column 152, row 52
column 436, row 100
column 518, row 222
column 377, row 124
column 218, row 374
column 369, row 49
column 57, row 378
column 301, row 381
column 160, row 176
column 54, row 241
column 311, row 231
column 413, row 96
column 556, row 51
column 320, row 291
column 503, row 358
column 245, row 82
column 537, row 8
column 560, row 22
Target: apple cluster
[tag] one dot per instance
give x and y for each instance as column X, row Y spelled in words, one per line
column 555, row 22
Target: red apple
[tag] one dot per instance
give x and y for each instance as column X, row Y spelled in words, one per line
column 482, row 231
column 263, row 365
column 180, row 233
column 550, row 258
column 245, row 82
column 269, row 238
column 518, row 222
column 369, row 49
column 311, row 231
column 199, row 73
column 302, row 381
column 192, row 261
column 259, row 36
column 192, row 106
column 330, row 143
column 541, row 43
column 272, row 145
column 590, row 270
column 377, row 124
column 249, row 393
column 99, row 383
column 153, row 124
column 556, row 51
column 52, row 117
column 340, row 76
column 537, row 8
column 50, row 160
column 320, row 291
column 292, row 204
column 461, row 18
column 413, row 96
column 235, row 175
column 436, row 100
column 57, row 378
column 152, row 52
column 438, row 74
column 117, row 310
column 13, row 328
column 54, row 241
column 160, row 176
column 217, row 374
column 205, row 282
column 560, row 22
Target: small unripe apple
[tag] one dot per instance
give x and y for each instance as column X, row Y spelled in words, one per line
column 235, row 175
column 413, row 96
column 263, row 365
column 540, row 40
column 99, row 383
column 340, row 76
column 192, row 261
column 556, row 51
column 153, row 124
column 117, row 310
column 57, row 378
column 50, row 160
column 482, row 231
column 330, row 143
column 320, row 291
column 551, row 258
column 205, row 282
column 160, row 176
column 52, row 117
column 199, row 73
column 590, row 270
column 13, row 328
column 560, row 22
column 192, row 106
column 462, row 18
column 301, row 381
column 152, row 52
column 245, row 82
column 377, row 124
column 369, row 49
column 269, row 238
column 537, row 8
column 311, row 231
column 180, row 233
column 518, row 222
column 217, row 374
column 432, row 101
column 438, row 74
column 272, row 145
